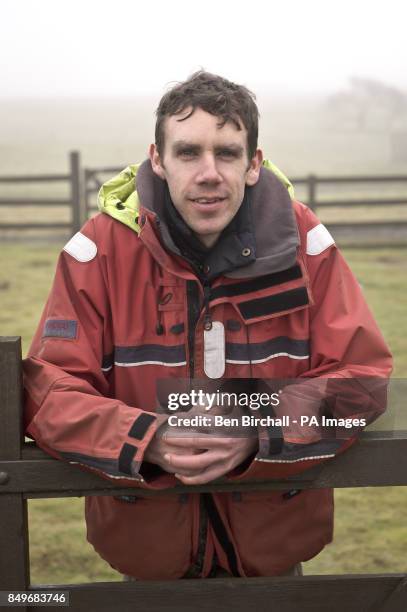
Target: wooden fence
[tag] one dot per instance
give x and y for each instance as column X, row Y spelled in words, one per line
column 26, row 472
column 75, row 202
column 84, row 184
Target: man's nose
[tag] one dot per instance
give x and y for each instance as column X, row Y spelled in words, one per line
column 208, row 171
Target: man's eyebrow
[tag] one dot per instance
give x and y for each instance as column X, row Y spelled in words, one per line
column 233, row 148
column 178, row 145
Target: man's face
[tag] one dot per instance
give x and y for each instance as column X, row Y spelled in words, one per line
column 206, row 168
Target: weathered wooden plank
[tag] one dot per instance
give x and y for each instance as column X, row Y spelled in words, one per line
column 312, row 191
column 11, row 438
column 397, row 600
column 375, row 460
column 34, row 202
column 35, row 178
column 389, row 178
column 14, row 549
column 371, row 225
column 305, row 594
column 76, row 191
column 104, row 170
column 357, row 244
column 14, row 562
column 362, row 202
column 34, row 226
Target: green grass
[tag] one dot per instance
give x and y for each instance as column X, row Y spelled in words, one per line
column 382, row 274
column 370, row 532
column 59, row 552
column 25, row 279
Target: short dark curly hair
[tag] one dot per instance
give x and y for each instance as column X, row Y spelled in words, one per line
column 215, row 95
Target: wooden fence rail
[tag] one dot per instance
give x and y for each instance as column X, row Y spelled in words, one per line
column 84, row 184
column 26, row 472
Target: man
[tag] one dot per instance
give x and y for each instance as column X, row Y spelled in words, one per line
column 201, row 266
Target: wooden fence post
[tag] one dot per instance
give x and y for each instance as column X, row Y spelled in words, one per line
column 14, row 555
column 312, row 191
column 76, row 174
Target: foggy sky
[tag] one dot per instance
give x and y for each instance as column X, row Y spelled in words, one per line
column 88, row 48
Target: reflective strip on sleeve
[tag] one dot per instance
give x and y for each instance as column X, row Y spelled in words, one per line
column 318, row 240
column 110, row 467
column 81, row 248
column 293, row 453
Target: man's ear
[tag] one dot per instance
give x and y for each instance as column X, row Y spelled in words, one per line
column 156, row 161
column 253, row 173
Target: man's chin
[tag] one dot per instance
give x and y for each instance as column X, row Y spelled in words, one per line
column 208, row 237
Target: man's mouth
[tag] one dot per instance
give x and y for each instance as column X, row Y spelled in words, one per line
column 211, row 200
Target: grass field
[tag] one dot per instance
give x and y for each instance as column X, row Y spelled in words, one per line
column 370, row 534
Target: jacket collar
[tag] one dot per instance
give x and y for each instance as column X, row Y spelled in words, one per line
column 234, row 249
column 273, row 222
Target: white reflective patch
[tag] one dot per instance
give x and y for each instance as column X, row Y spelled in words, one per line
column 214, row 350
column 81, row 248
column 318, row 239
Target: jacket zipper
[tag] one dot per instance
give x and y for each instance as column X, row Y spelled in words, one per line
column 207, row 506
column 194, row 311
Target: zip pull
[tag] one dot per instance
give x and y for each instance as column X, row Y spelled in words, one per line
column 214, row 350
column 207, row 316
column 214, row 340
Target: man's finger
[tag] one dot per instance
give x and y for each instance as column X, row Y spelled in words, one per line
column 194, row 462
column 212, row 473
column 203, row 441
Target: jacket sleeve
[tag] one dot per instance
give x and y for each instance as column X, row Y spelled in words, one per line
column 68, row 411
column 350, row 365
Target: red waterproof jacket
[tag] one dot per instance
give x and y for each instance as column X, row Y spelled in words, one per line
column 127, row 310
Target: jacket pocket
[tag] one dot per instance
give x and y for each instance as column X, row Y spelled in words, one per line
column 144, row 537
column 277, row 529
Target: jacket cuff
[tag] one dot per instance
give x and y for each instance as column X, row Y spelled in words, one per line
column 139, row 436
column 149, row 474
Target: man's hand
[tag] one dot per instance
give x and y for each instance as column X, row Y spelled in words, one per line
column 198, row 460
column 161, row 447
column 199, row 455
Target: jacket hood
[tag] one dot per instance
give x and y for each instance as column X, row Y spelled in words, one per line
column 276, row 234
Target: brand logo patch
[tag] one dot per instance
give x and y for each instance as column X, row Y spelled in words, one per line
column 60, row 328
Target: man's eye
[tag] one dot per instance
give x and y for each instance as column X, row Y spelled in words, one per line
column 187, row 153
column 226, row 153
